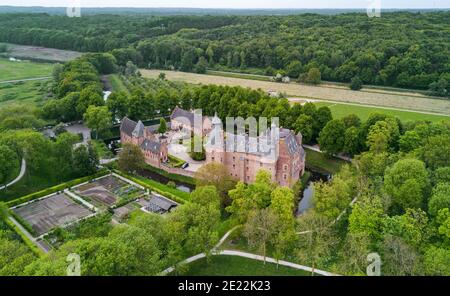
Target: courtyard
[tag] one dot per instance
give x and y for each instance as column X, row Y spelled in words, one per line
column 54, row 211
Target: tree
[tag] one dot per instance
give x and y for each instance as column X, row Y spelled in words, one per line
column 314, row 76
column 293, row 69
column 8, row 163
column 367, row 217
column 217, row 175
column 85, row 160
column 399, row 259
column 356, row 83
column 304, row 125
column 436, row 152
column 407, row 183
column 162, row 76
column 260, row 229
column 383, row 136
column 332, row 137
column 437, row 261
column 117, row 104
column 351, row 141
column 162, row 129
column 316, row 238
column 351, row 120
column 131, row 158
column 282, row 205
column 202, row 217
column 440, row 199
column 131, row 69
column 97, row 118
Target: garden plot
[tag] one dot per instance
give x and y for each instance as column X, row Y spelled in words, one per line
column 108, row 192
column 46, row 214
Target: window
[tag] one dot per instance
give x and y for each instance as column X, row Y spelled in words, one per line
column 212, row 158
column 285, row 167
column 284, row 176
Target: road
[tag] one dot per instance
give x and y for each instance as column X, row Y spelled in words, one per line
column 23, row 169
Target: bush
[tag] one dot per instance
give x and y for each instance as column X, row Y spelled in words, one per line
column 356, row 83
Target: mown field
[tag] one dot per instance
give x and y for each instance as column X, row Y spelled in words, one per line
column 23, row 70
column 381, row 98
column 341, row 110
column 40, row 53
column 238, row 266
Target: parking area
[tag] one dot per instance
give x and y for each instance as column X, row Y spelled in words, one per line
column 107, row 191
column 51, row 212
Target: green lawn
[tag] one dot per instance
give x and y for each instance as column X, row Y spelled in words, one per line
column 320, row 162
column 28, row 92
column 340, row 110
column 238, row 266
column 117, row 83
column 28, row 184
column 24, row 69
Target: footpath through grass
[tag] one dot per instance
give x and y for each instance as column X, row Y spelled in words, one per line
column 239, row 266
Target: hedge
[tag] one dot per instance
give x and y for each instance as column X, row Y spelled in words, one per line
column 174, row 194
column 54, row 189
column 35, row 249
column 176, row 162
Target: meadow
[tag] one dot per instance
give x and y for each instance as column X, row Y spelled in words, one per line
column 31, row 93
column 15, row 70
column 370, row 100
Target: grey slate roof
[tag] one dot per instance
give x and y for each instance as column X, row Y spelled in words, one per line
column 139, row 129
column 127, row 126
column 161, row 203
column 149, row 145
column 181, row 113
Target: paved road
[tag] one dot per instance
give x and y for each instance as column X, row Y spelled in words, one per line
column 23, row 169
column 26, row 79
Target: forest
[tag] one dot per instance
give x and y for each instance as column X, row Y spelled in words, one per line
column 401, row 49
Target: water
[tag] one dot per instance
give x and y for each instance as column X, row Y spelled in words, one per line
column 306, row 199
column 164, row 180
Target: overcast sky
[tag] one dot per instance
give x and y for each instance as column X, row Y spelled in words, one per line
column 235, row 3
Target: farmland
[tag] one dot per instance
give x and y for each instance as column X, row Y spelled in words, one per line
column 29, row 92
column 382, row 98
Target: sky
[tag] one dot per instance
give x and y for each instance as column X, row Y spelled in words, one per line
column 386, row 4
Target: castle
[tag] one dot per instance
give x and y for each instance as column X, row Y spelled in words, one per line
column 154, row 148
column 277, row 150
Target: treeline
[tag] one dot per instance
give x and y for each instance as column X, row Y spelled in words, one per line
column 401, row 49
column 97, row 33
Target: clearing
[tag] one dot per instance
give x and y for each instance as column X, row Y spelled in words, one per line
column 16, row 70
column 40, row 53
column 382, row 98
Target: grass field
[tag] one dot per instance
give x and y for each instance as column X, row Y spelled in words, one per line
column 238, row 266
column 117, row 83
column 320, row 162
column 22, row 70
column 28, row 92
column 341, row 110
column 379, row 98
column 40, row 53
